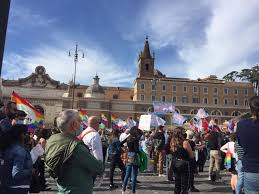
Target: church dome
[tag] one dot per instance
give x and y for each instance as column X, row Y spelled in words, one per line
column 95, row 90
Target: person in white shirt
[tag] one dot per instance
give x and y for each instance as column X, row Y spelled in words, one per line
column 92, row 138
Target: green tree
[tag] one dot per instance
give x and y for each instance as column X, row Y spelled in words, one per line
column 232, row 76
column 250, row 75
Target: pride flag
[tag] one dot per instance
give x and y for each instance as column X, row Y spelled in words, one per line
column 104, row 118
column 34, row 117
column 114, row 119
column 84, row 117
column 231, row 126
column 202, row 113
column 178, row 119
column 228, row 160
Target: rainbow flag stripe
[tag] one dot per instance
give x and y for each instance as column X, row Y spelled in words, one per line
column 104, row 118
column 35, row 117
column 228, row 160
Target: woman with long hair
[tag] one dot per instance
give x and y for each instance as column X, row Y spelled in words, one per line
column 132, row 165
column 114, row 152
column 248, row 136
column 182, row 153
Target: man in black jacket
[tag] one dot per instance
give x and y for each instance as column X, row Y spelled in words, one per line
column 159, row 143
column 214, row 144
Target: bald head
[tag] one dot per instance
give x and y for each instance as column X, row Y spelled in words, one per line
column 93, row 122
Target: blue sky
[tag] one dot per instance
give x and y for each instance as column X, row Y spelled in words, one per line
column 191, row 39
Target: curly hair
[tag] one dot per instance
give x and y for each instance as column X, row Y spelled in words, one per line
column 177, row 138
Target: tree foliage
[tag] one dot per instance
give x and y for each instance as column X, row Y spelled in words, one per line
column 251, row 75
column 231, row 76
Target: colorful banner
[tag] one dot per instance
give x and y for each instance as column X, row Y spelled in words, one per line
column 178, row 119
column 104, row 118
column 131, row 123
column 34, row 118
column 84, row 118
column 197, row 124
column 202, row 113
column 163, row 107
column 147, row 121
column 118, row 122
column 231, row 126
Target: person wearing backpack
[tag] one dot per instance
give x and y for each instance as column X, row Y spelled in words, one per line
column 114, row 151
column 132, row 165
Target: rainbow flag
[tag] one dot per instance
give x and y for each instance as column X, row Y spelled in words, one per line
column 84, row 117
column 114, row 119
column 104, row 118
column 228, row 160
column 34, row 117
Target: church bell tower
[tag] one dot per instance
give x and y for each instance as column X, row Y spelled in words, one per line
column 146, row 62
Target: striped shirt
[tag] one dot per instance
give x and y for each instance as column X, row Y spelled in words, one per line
column 240, row 151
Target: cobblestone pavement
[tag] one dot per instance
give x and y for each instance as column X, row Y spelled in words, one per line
column 151, row 184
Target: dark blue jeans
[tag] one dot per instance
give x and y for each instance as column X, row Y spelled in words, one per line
column 17, row 191
column 133, row 171
column 240, row 180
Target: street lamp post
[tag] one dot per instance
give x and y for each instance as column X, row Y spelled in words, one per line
column 76, row 51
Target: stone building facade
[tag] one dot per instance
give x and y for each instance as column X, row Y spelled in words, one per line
column 40, row 89
column 221, row 99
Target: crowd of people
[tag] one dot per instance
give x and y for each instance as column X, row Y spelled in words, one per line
column 76, row 157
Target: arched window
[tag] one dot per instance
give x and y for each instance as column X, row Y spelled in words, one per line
column 147, row 67
column 216, row 113
column 193, row 111
column 235, row 113
column 177, row 110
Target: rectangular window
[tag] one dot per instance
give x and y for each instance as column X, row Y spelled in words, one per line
column 205, row 90
column 236, row 102
column 226, row 91
column 174, row 98
column 215, row 101
column 80, row 95
column 184, row 89
column 184, row 99
column 163, row 99
column 205, row 100
column 164, row 87
column 195, row 89
column 153, row 98
column 236, row 91
column 215, row 90
column 142, row 97
column 174, row 88
column 142, row 86
column 153, row 87
column 225, row 101
column 195, row 100
column 246, row 92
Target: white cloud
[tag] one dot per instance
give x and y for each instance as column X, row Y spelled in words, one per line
column 22, row 18
column 211, row 37
column 231, row 40
column 61, row 67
